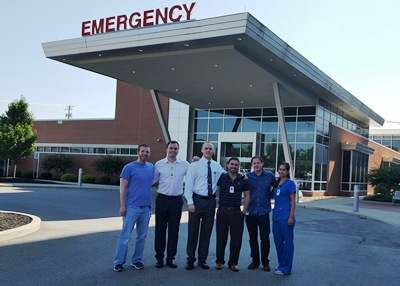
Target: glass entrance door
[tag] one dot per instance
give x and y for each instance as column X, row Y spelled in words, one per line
column 244, row 151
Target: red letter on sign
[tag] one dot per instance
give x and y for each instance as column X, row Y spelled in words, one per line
column 109, row 24
column 121, row 20
column 160, row 18
column 135, row 23
column 171, row 14
column 98, row 29
column 86, row 28
column 189, row 11
column 147, row 18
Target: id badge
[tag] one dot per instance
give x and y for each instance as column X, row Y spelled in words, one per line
column 231, row 189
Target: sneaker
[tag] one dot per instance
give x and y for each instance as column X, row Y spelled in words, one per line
column 118, row 268
column 253, row 266
column 267, row 268
column 219, row 265
column 278, row 272
column 138, row 265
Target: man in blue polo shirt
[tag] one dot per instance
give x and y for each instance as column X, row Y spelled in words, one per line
column 135, row 209
column 257, row 216
column 230, row 218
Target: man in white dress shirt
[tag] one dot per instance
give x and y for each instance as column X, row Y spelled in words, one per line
column 169, row 172
column 200, row 188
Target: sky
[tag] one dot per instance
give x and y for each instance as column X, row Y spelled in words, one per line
column 355, row 42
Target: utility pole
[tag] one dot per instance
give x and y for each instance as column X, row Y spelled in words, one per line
column 68, row 111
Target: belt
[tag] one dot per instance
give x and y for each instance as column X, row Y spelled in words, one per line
column 204, row 197
column 169, row 197
column 230, row 208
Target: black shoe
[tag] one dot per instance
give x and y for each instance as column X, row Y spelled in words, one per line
column 159, row 263
column 189, row 266
column 204, row 265
column 171, row 264
column 253, row 266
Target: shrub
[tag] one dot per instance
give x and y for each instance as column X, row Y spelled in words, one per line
column 59, row 163
column 109, row 166
column 68, row 177
column 27, row 174
column 88, row 179
column 46, row 176
column 18, row 173
column 104, row 181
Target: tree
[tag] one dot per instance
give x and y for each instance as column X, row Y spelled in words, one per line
column 109, row 165
column 59, row 163
column 384, row 180
column 17, row 138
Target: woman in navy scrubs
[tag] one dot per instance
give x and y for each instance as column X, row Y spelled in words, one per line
column 284, row 220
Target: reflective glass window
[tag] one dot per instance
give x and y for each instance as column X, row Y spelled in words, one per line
column 246, row 150
column 251, row 124
column 201, row 113
column 217, row 113
column 269, row 112
column 231, row 124
column 269, row 125
column 307, row 110
column 290, row 111
column 201, row 125
column 216, row 125
column 233, row 113
column 252, row 112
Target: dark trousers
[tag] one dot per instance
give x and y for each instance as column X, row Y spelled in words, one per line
column 255, row 223
column 229, row 220
column 168, row 215
column 201, row 223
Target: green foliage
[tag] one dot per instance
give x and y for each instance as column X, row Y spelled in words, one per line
column 104, row 181
column 384, row 180
column 27, row 174
column 16, row 132
column 88, row 179
column 109, row 166
column 68, row 177
column 58, row 163
column 46, row 176
column 379, row 198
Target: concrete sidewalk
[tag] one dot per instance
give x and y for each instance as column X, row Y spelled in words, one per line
column 382, row 211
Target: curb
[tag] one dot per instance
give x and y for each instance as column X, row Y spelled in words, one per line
column 29, row 228
column 340, row 212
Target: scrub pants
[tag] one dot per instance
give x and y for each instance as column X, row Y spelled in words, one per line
column 284, row 243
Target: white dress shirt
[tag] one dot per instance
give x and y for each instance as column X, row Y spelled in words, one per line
column 170, row 176
column 197, row 178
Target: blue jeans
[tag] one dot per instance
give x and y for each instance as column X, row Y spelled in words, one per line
column 141, row 217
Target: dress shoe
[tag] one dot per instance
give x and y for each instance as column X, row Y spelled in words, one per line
column 253, row 266
column 233, row 267
column 219, row 265
column 204, row 265
column 267, row 268
column 189, row 266
column 171, row 264
column 159, row 263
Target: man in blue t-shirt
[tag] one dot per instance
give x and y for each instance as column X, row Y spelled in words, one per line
column 135, row 209
column 257, row 216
